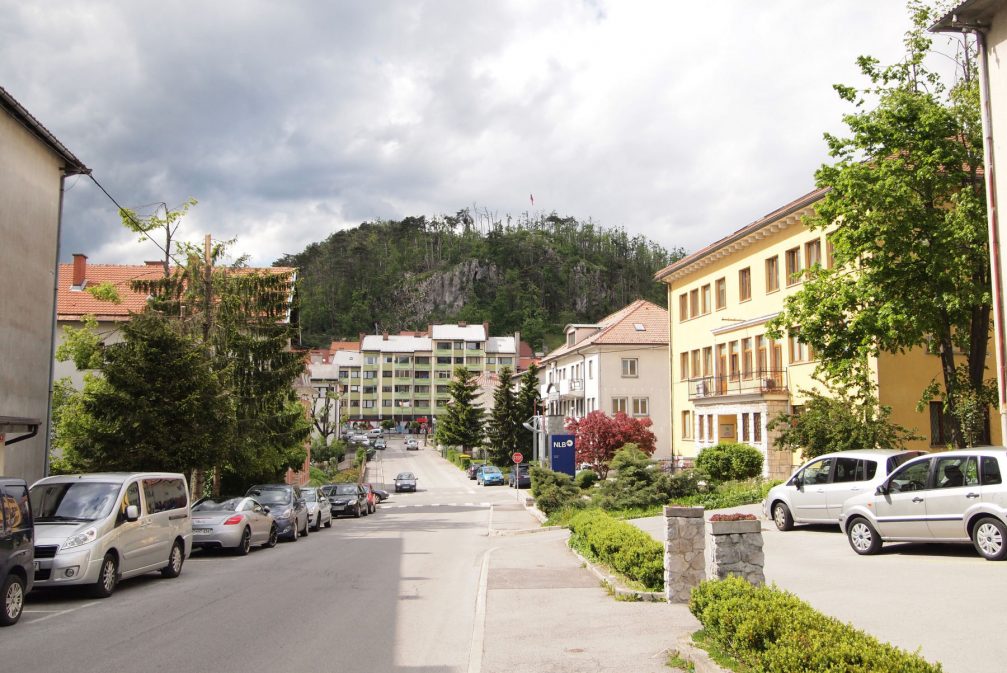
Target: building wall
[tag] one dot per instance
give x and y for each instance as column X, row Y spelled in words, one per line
column 29, row 216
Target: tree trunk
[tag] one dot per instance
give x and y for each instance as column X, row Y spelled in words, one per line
column 950, row 383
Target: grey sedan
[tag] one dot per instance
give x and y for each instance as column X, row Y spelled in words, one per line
column 319, row 510
column 234, row 523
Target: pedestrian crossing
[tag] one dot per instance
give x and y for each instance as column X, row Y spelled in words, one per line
column 438, row 504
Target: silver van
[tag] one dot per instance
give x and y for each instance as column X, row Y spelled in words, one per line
column 97, row 529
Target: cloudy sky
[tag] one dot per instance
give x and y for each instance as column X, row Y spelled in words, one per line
column 290, row 120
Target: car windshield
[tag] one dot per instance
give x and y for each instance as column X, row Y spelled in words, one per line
column 491, row 470
column 309, row 496
column 217, row 505
column 273, row 496
column 73, row 500
column 345, row 489
column 405, row 475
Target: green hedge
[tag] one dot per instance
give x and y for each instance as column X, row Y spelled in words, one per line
column 619, row 545
column 729, row 461
column 772, row 631
column 730, row 494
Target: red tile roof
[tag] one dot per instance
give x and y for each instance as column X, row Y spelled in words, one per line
column 619, row 328
column 344, row 346
column 74, row 304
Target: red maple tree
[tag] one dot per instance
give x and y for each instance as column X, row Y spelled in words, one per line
column 600, row 436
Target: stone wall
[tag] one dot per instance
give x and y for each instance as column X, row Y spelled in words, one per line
column 684, row 564
column 735, row 548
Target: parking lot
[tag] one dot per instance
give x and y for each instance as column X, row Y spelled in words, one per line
column 944, row 600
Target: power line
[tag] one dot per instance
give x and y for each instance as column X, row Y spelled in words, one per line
column 130, row 216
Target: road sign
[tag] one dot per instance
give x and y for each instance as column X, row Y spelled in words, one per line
column 562, row 449
column 517, row 458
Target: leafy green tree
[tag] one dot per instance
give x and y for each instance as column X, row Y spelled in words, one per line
column 838, row 421
column 502, row 428
column 462, row 425
column 905, row 213
column 729, row 461
column 636, row 483
column 528, row 402
column 159, row 405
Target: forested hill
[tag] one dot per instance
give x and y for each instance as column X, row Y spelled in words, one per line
column 533, row 275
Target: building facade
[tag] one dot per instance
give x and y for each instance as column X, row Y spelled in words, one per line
column 619, row 364
column 728, row 379
column 32, row 170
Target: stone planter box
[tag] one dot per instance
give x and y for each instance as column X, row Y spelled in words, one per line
column 735, row 527
column 735, row 548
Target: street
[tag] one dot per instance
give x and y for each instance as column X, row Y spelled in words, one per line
column 394, row 591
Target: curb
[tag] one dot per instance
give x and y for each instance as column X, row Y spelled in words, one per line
column 616, row 585
column 701, row 661
column 522, row 531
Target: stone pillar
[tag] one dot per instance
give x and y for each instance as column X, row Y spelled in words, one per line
column 684, row 564
column 735, row 548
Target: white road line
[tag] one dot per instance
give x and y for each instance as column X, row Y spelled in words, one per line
column 61, row 612
column 479, row 621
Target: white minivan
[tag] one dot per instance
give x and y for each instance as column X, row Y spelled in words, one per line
column 97, row 529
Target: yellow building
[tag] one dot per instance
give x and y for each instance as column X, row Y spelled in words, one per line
column 728, row 380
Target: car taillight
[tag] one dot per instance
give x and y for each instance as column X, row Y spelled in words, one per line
column 236, row 519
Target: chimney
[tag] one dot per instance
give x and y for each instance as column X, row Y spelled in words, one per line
column 79, row 269
column 153, row 262
column 486, row 329
column 384, row 336
column 462, row 323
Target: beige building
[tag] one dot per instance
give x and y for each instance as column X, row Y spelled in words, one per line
column 619, row 364
column 32, row 169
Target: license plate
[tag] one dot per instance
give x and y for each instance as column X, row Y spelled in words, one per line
column 202, row 531
column 36, row 566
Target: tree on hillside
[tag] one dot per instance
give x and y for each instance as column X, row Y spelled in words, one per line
column 599, row 437
column 502, row 428
column 905, row 216
column 158, row 405
column 527, row 405
column 462, row 425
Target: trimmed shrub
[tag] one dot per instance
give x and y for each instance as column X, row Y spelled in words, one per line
column 620, row 545
column 770, row 630
column 636, row 485
column 585, row 479
column 730, row 494
column 554, row 491
column 728, row 461
column 687, row 482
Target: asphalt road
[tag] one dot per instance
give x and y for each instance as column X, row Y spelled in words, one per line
column 393, row 591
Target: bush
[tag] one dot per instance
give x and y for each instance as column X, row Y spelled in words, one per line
column 767, row 629
column 554, row 491
column 637, row 485
column 730, row 494
column 350, row 476
column 585, row 479
column 619, row 545
column 727, row 461
column 687, row 482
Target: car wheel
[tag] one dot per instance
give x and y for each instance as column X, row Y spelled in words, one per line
column 863, row 538
column 271, row 540
column 782, row 517
column 989, row 537
column 13, row 600
column 318, row 522
column 328, row 524
column 175, row 559
column 307, row 528
column 245, row 544
column 356, row 513
column 108, row 577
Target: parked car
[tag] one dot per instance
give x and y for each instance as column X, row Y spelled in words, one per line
column 372, row 499
column 412, row 445
column 287, row 507
column 17, row 548
column 319, row 509
column 232, row 522
column 99, row 529
column 346, row 499
column 471, row 470
column 360, row 438
column 489, row 475
column 519, row 473
column 815, row 493
column 375, row 433
column 381, row 494
column 380, row 443
column 405, row 481
column 952, row 496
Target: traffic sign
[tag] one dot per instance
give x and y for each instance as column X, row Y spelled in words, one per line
column 517, row 458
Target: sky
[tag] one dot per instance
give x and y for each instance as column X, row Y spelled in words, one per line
column 291, row 120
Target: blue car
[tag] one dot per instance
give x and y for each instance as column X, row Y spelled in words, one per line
column 487, row 475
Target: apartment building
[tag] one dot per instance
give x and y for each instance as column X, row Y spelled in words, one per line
column 728, row 379
column 405, row 377
column 619, row 364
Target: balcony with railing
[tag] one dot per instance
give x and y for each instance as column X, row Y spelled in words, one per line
column 760, row 383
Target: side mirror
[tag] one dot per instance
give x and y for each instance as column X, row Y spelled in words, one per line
column 301, row 502
column 882, row 489
column 132, row 513
column 798, row 482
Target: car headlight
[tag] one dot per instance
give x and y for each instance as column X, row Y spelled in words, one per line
column 82, row 538
column 287, row 513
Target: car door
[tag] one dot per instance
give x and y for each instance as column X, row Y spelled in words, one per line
column 901, row 511
column 810, row 499
column 133, row 539
column 955, row 489
column 257, row 521
column 848, row 477
column 16, row 529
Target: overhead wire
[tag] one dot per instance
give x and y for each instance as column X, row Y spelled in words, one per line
column 129, row 214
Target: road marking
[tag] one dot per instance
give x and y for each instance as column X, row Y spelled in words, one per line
column 479, row 622
column 60, row 612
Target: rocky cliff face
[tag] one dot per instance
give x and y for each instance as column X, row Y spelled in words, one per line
column 441, row 293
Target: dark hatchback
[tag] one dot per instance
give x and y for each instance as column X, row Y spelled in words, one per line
column 347, row 499
column 17, row 548
column 522, row 476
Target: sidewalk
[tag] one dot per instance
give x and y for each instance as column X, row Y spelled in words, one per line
column 545, row 613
